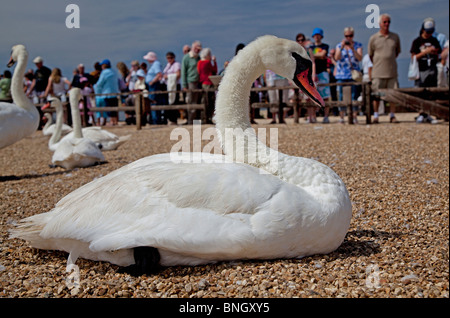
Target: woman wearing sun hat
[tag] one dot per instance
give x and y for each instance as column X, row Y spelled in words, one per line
column 153, row 78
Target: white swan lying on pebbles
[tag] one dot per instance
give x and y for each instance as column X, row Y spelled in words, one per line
column 155, row 212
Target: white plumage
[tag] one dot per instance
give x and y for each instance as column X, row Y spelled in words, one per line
column 74, row 150
column 219, row 209
column 57, row 131
column 104, row 139
column 21, row 119
column 49, row 127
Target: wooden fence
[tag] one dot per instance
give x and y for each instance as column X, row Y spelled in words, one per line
column 139, row 105
column 297, row 102
column 433, row 101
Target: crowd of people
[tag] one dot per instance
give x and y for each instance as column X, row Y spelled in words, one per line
column 346, row 62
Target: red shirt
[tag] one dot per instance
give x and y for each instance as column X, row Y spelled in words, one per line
column 205, row 69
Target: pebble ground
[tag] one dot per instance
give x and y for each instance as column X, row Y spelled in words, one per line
column 397, row 245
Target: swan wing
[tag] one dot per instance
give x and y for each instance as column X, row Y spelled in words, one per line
column 15, row 123
column 206, row 210
column 51, row 129
column 76, row 152
column 21, row 118
column 108, row 140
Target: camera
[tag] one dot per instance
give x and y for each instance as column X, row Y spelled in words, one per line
column 347, row 42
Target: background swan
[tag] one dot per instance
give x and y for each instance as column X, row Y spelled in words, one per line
column 75, row 151
column 106, row 139
column 57, row 131
column 207, row 208
column 20, row 119
column 49, row 127
column 57, row 135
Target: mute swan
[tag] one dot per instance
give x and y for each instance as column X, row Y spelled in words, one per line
column 75, row 151
column 106, row 139
column 56, row 137
column 57, row 131
column 154, row 212
column 49, row 127
column 20, row 119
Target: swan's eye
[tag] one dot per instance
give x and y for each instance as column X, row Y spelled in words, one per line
column 302, row 63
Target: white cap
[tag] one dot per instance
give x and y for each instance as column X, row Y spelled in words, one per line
column 150, row 56
column 38, row 59
column 428, row 24
column 140, row 73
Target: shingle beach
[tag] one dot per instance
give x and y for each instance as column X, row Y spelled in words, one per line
column 397, row 245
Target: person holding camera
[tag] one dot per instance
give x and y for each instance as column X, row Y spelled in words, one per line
column 426, row 49
column 348, row 54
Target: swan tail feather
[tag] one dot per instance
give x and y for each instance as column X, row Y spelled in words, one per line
column 29, row 229
column 123, row 139
column 113, row 145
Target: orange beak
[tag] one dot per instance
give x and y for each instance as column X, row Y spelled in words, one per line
column 45, row 106
column 11, row 62
column 306, row 85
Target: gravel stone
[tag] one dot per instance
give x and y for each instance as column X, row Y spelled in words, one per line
column 397, row 245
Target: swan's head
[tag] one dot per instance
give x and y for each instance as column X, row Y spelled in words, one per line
column 290, row 60
column 53, row 102
column 16, row 51
column 47, row 117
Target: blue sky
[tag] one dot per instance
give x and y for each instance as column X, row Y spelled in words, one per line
column 126, row 30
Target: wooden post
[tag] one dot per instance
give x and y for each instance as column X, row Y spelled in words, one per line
column 347, row 99
column 296, row 105
column 280, row 106
column 85, row 112
column 138, row 110
column 363, row 95
column 367, row 101
column 68, row 113
column 205, row 99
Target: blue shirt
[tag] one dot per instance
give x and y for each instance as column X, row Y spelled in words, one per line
column 441, row 39
column 343, row 69
column 107, row 83
column 154, row 69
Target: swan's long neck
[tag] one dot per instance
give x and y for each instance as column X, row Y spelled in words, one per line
column 76, row 120
column 56, row 136
column 49, row 121
column 18, row 95
column 232, row 115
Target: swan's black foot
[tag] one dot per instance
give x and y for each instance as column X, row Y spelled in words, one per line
column 146, row 262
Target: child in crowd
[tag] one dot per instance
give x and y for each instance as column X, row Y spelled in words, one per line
column 86, row 90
